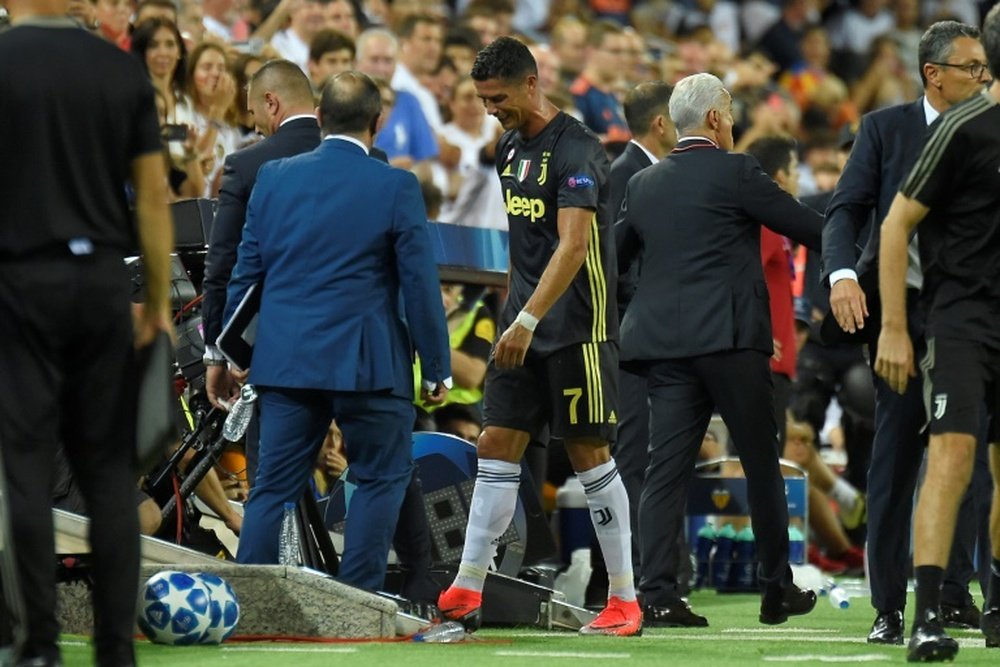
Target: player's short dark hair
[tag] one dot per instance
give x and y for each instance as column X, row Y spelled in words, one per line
column 937, row 41
column 506, row 59
column 644, row 102
column 991, row 40
column 350, row 103
column 284, row 78
column 329, row 40
column 773, row 153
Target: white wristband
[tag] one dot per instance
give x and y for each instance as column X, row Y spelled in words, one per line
column 526, row 320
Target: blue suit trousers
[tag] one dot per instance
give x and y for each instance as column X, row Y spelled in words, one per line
column 377, row 428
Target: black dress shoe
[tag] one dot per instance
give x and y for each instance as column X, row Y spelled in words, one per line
column 887, row 628
column 776, row 607
column 674, row 615
column 990, row 625
column 930, row 643
column 966, row 617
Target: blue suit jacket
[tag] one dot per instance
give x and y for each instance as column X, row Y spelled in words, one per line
column 888, row 144
column 341, row 244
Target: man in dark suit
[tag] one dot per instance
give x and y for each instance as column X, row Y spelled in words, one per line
column 280, row 98
column 332, row 341
column 67, row 337
column 699, row 328
column 653, row 135
column 887, row 146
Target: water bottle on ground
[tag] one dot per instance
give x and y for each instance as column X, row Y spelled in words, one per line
column 448, row 632
column 838, row 597
column 796, row 546
column 703, row 553
column 289, row 546
column 722, row 561
column 239, row 415
column 744, row 568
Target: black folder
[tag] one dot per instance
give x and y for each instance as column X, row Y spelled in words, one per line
column 237, row 337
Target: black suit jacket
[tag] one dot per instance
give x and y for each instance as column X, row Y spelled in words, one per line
column 888, row 144
column 239, row 173
column 694, row 221
column 632, row 160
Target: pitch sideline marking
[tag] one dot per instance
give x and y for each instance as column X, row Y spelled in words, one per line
column 290, row 649
column 562, row 654
column 871, row 657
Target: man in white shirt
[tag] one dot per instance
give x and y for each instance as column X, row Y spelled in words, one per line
column 307, row 18
column 421, row 39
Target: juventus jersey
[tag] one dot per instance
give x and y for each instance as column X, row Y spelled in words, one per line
column 563, row 166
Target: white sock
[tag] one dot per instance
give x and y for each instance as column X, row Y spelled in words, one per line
column 845, row 494
column 608, row 503
column 493, row 502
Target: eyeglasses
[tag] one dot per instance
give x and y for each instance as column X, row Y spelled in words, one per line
column 974, row 70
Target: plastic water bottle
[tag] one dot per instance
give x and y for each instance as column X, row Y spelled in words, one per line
column 289, row 547
column 703, row 553
column 572, row 582
column 796, row 546
column 744, row 568
column 448, row 632
column 722, row 561
column 239, row 415
column 838, row 597
column 576, row 529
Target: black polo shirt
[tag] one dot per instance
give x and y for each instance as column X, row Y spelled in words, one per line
column 69, row 101
column 958, row 178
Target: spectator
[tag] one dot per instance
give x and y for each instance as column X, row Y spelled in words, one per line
column 780, row 42
column 112, row 21
column 825, row 485
column 306, row 18
column 461, row 420
column 461, row 44
column 480, row 19
column 147, row 9
column 219, row 18
column 569, row 42
column 594, row 91
column 243, row 68
column 885, row 81
column 472, row 197
column 406, row 137
column 420, row 44
column 339, row 15
column 212, row 113
column 330, row 53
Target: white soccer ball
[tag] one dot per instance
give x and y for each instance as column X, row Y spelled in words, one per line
column 224, row 606
column 174, row 608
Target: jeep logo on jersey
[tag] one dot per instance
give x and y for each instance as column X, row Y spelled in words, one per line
column 532, row 208
column 522, row 170
column 580, row 181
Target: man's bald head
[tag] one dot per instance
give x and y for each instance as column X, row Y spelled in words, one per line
column 350, row 104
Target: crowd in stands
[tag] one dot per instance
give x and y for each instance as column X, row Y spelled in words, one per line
column 803, row 69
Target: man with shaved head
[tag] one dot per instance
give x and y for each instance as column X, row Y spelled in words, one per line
column 280, row 99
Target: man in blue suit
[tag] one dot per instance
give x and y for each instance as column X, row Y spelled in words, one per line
column 887, row 146
column 340, row 246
